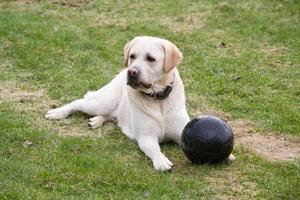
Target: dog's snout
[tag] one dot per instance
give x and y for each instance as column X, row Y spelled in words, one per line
column 133, row 77
column 133, row 72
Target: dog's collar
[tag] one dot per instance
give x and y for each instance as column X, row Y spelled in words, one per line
column 162, row 94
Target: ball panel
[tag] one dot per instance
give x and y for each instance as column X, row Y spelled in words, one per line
column 224, row 133
column 214, row 146
column 207, row 133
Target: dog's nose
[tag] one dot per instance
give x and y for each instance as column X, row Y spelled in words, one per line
column 132, row 73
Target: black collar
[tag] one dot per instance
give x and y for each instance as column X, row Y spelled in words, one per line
column 162, row 94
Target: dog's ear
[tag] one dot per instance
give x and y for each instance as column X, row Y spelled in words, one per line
column 126, row 51
column 172, row 56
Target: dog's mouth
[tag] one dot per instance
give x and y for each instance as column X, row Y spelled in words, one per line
column 136, row 84
column 133, row 84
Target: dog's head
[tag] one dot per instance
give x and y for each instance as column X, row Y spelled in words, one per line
column 149, row 61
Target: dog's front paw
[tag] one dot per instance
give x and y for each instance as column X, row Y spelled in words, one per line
column 162, row 163
column 58, row 113
column 96, row 121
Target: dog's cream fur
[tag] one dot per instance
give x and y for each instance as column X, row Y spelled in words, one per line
column 147, row 120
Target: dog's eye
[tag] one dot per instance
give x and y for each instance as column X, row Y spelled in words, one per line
column 132, row 56
column 150, row 59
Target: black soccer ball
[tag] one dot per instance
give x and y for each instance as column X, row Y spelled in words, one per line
column 207, row 139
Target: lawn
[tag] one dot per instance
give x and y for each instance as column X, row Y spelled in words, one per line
column 241, row 61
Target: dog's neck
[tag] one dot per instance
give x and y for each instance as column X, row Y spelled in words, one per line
column 166, row 86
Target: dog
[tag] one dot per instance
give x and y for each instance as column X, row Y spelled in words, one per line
column 146, row 99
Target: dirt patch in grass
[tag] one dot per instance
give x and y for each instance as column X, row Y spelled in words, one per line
column 24, row 1
column 185, row 23
column 274, row 55
column 279, row 64
column 109, row 20
column 35, row 103
column 15, row 94
column 267, row 145
column 70, row 3
column 273, row 51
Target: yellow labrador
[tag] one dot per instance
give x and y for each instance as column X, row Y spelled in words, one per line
column 146, row 99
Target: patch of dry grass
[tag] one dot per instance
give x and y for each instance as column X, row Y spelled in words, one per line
column 267, row 144
column 36, row 103
column 185, row 23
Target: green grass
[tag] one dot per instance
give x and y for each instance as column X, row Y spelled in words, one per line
column 64, row 48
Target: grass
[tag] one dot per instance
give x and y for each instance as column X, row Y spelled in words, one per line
column 52, row 52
